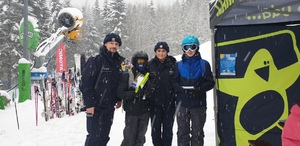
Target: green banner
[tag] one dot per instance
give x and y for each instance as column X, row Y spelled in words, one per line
column 24, row 80
column 33, row 33
column 3, row 102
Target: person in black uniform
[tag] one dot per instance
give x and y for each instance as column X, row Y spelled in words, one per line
column 162, row 102
column 100, row 79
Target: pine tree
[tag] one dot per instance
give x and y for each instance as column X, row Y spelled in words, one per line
column 107, row 20
column 11, row 49
column 118, row 16
column 55, row 7
column 40, row 10
column 97, row 15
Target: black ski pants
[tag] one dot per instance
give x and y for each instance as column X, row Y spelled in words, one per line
column 135, row 129
column 190, row 123
column 98, row 127
column 162, row 120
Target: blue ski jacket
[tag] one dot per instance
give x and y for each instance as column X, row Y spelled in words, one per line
column 195, row 72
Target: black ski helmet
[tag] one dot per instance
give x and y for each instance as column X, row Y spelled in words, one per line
column 139, row 55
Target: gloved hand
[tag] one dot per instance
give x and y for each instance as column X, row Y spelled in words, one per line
column 197, row 89
column 140, row 93
column 192, row 91
column 188, row 91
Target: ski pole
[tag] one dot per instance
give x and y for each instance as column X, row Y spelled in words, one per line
column 36, row 90
column 13, row 98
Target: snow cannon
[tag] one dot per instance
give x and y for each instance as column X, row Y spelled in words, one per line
column 72, row 19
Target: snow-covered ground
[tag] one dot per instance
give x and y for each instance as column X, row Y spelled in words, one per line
column 71, row 131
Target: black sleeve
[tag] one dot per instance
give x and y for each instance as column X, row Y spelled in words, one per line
column 175, row 83
column 88, row 83
column 208, row 82
column 123, row 91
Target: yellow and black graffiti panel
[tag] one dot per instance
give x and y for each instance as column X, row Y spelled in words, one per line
column 257, row 70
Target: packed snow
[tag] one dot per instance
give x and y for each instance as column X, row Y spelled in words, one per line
column 71, row 130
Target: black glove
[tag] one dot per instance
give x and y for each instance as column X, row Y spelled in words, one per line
column 197, row 89
column 140, row 93
column 188, row 91
column 192, row 92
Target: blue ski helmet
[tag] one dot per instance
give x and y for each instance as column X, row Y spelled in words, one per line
column 189, row 40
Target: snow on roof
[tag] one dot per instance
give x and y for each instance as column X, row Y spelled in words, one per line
column 41, row 69
column 23, row 61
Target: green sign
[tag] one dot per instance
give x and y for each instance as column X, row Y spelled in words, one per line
column 24, row 79
column 33, row 33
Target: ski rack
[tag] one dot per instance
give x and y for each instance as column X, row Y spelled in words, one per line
column 46, row 49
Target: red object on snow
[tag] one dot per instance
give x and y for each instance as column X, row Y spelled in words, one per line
column 291, row 130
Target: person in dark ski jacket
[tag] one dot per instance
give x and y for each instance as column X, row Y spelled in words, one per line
column 100, row 80
column 135, row 104
column 162, row 102
column 193, row 78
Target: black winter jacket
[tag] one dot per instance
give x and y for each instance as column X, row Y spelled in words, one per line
column 161, row 74
column 133, row 104
column 100, row 79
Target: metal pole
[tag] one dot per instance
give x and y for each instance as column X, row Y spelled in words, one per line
column 212, row 33
column 25, row 49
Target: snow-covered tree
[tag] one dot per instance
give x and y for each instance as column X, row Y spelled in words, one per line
column 40, row 10
column 55, row 7
column 10, row 47
column 118, row 16
column 140, row 26
column 107, row 20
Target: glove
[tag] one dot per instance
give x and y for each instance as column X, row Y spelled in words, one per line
column 195, row 92
column 197, row 89
column 139, row 94
column 188, row 91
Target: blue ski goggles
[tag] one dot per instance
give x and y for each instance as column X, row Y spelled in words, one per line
column 191, row 47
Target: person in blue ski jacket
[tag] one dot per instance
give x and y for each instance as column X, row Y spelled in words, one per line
column 162, row 102
column 193, row 77
column 100, row 79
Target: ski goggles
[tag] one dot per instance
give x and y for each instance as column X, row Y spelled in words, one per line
column 191, row 47
column 141, row 61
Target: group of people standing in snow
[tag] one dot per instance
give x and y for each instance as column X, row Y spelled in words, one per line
column 172, row 89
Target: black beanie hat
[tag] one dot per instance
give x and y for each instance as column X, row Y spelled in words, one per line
column 112, row 37
column 161, row 45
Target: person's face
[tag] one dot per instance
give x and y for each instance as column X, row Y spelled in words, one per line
column 161, row 54
column 112, row 46
column 190, row 53
column 190, row 49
